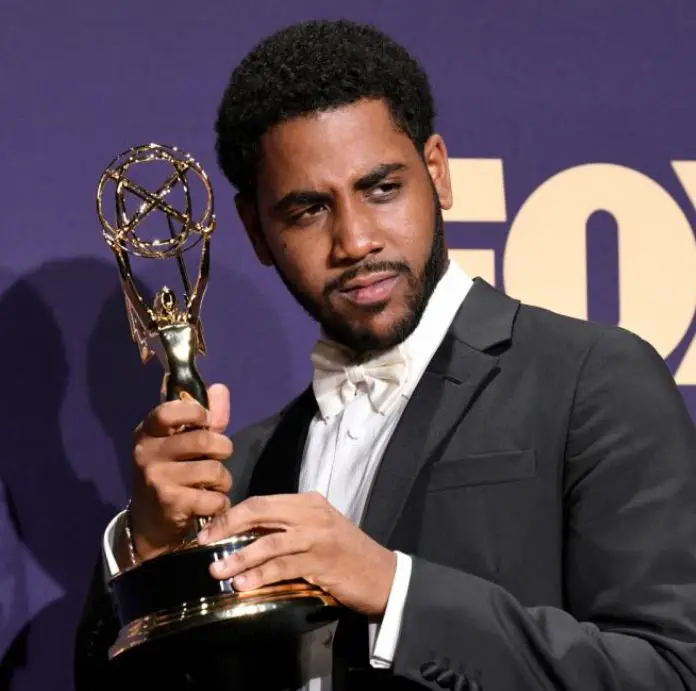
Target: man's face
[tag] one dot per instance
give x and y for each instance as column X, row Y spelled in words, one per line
column 349, row 214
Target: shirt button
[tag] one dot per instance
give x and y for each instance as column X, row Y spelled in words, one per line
column 353, row 433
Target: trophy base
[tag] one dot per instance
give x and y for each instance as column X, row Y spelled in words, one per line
column 171, row 605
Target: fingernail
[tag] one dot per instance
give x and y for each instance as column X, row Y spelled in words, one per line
column 240, row 580
column 203, row 535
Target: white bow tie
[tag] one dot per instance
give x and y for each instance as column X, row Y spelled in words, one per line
column 336, row 379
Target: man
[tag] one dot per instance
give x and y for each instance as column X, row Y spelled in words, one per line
column 504, row 496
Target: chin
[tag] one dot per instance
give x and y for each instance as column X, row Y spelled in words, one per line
column 369, row 328
column 383, row 334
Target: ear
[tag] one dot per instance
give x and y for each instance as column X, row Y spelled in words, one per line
column 250, row 218
column 437, row 162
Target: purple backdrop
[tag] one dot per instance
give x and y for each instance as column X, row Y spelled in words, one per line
column 538, row 87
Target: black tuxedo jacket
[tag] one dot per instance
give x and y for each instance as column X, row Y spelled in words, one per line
column 543, row 478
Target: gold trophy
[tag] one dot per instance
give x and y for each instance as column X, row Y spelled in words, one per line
column 171, row 602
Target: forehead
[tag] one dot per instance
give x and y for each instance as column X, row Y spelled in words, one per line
column 331, row 148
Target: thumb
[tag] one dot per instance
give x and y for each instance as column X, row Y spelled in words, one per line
column 219, row 407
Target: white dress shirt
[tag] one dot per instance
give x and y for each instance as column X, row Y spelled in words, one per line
column 344, row 447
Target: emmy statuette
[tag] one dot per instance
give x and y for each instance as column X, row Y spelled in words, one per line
column 171, row 602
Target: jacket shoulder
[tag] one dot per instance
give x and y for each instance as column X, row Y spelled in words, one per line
column 559, row 330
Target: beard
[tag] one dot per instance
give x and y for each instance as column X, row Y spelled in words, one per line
column 364, row 341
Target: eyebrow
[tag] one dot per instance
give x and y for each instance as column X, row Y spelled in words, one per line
column 376, row 175
column 311, row 197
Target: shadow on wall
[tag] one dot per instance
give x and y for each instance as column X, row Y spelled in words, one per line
column 69, row 359
column 58, row 509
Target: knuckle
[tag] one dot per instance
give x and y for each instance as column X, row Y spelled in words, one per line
column 167, row 495
column 161, row 415
column 275, row 542
column 217, row 504
column 208, row 504
column 255, row 505
column 183, row 445
column 151, row 475
column 241, row 557
column 209, row 471
column 203, row 440
column 200, row 438
column 199, row 414
column 200, row 505
column 173, row 414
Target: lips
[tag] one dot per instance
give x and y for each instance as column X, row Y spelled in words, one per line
column 370, row 289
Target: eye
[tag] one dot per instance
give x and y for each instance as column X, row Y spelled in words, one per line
column 313, row 210
column 307, row 214
column 385, row 190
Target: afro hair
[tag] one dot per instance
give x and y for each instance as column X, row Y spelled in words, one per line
column 311, row 67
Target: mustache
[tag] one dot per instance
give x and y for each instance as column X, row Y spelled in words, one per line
column 365, row 269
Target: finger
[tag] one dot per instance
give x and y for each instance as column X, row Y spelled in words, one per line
column 167, row 417
column 280, row 511
column 219, row 407
column 196, row 444
column 285, row 568
column 203, row 503
column 180, row 504
column 260, row 551
column 201, row 474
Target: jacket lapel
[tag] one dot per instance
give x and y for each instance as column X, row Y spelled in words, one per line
column 462, row 366
column 277, row 470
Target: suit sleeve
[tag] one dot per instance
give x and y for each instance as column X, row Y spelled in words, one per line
column 630, row 556
column 96, row 632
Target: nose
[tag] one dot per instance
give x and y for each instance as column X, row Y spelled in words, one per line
column 356, row 234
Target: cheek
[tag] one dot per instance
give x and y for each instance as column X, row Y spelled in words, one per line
column 410, row 228
column 301, row 260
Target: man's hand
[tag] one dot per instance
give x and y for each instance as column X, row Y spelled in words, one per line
column 179, row 475
column 313, row 541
